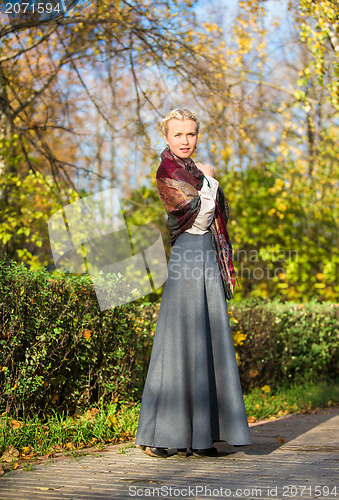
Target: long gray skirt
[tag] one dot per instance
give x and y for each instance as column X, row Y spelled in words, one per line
column 192, row 395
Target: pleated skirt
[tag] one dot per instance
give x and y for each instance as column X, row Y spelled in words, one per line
column 192, row 395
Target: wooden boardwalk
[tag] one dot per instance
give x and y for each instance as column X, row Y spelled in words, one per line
column 293, row 457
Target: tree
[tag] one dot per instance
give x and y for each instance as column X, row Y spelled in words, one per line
column 48, row 73
column 50, row 53
column 271, row 128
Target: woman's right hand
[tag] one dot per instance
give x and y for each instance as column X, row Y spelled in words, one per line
column 206, row 169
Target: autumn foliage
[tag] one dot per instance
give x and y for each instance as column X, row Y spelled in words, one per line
column 81, row 96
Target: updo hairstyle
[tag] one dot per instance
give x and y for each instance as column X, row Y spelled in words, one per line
column 178, row 114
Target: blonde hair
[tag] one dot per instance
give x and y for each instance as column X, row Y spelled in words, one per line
column 178, row 114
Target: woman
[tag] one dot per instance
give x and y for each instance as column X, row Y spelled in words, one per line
column 192, row 395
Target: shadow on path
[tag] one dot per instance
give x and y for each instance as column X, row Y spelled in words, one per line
column 268, row 436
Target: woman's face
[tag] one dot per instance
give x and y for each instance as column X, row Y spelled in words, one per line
column 182, row 137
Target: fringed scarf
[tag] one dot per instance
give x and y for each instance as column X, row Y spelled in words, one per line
column 178, row 183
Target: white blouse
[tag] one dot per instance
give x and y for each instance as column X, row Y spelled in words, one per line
column 205, row 216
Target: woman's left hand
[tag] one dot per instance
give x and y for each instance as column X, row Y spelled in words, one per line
column 206, row 169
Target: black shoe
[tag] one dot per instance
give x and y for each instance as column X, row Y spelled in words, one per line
column 206, row 452
column 155, row 452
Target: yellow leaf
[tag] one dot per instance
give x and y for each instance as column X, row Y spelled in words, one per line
column 112, row 421
column 10, row 454
column 55, row 399
column 266, row 388
column 15, row 424
column 87, row 334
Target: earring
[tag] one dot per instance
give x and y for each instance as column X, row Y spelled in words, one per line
column 167, row 147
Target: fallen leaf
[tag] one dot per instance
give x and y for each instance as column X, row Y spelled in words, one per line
column 251, row 419
column 2, row 471
column 87, row 334
column 15, row 424
column 15, row 465
column 56, row 448
column 281, row 440
column 55, row 399
column 90, row 414
column 10, row 454
column 112, row 421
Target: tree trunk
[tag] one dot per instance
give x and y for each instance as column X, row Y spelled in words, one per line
column 6, row 126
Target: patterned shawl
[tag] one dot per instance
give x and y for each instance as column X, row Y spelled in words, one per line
column 178, row 183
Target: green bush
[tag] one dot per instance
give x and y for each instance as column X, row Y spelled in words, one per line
column 285, row 343
column 58, row 349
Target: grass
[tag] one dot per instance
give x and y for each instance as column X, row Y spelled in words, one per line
column 262, row 403
column 118, row 423
column 65, row 433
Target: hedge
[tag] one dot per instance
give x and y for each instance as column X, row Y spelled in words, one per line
column 58, row 349
column 286, row 342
